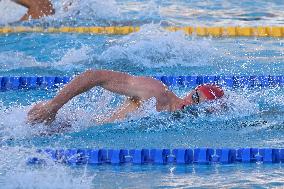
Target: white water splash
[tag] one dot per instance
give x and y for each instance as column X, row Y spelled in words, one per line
column 71, row 59
column 16, row 173
column 91, row 9
column 231, row 106
column 13, row 123
column 74, row 58
column 13, row 60
column 148, row 108
column 272, row 96
column 146, row 10
column 76, row 115
column 154, row 47
column 72, row 9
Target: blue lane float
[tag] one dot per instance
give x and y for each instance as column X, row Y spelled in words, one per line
column 16, row 83
column 47, row 82
column 159, row 156
column 227, row 81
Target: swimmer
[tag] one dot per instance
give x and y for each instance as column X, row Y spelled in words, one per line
column 136, row 88
column 36, row 8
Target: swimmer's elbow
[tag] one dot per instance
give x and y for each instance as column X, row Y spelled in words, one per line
column 94, row 77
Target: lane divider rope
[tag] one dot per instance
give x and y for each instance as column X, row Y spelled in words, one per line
column 16, row 83
column 230, row 31
column 160, row 156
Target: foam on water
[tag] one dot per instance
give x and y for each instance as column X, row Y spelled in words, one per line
column 93, row 9
column 173, row 13
column 74, row 58
column 83, row 111
column 15, row 173
column 78, row 114
column 70, row 58
column 13, row 60
column 151, row 47
column 154, row 47
column 145, row 12
column 232, row 107
column 67, row 10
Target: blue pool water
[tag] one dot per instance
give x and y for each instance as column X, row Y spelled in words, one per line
column 254, row 119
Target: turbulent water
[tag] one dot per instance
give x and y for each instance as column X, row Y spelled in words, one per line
column 253, row 117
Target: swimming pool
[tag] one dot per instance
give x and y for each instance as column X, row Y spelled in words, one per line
column 254, row 119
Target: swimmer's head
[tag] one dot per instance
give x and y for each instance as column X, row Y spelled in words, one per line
column 203, row 93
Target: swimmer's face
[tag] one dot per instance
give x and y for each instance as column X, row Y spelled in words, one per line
column 195, row 97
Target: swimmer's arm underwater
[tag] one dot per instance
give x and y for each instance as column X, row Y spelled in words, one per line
column 130, row 105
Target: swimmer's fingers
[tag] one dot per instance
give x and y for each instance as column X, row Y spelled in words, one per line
column 37, row 120
column 39, row 113
column 34, row 117
column 37, row 107
column 43, row 112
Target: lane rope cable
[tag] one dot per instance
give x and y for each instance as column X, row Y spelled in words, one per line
column 215, row 31
column 41, row 82
column 160, row 156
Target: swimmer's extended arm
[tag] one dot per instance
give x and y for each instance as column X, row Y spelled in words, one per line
column 116, row 82
column 130, row 105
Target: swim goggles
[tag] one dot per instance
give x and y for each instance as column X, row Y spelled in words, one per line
column 195, row 97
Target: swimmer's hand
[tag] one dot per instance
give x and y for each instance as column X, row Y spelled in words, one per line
column 43, row 112
column 130, row 105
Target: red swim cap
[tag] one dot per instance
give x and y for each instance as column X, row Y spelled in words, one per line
column 211, row 91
